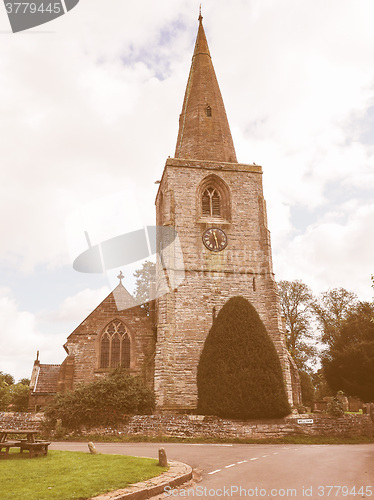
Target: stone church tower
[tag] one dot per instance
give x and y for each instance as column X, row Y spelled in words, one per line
column 213, row 244
column 217, row 208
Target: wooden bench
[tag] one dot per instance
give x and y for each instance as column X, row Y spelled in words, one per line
column 7, row 445
column 34, row 449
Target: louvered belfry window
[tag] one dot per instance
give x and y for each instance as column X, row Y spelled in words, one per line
column 211, row 203
column 115, row 346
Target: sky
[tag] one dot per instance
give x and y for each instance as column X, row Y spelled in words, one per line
column 89, row 107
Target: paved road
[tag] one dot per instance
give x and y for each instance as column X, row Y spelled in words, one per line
column 258, row 471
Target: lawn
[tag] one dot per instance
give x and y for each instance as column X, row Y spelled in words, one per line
column 71, row 475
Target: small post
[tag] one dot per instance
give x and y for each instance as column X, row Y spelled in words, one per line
column 162, row 459
column 92, row 448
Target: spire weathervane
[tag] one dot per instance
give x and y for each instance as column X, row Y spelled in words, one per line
column 200, row 16
column 120, row 277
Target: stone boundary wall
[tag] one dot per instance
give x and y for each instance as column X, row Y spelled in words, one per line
column 21, row 420
column 199, row 426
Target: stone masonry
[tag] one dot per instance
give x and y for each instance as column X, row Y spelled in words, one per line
column 199, row 426
column 193, row 281
column 205, row 158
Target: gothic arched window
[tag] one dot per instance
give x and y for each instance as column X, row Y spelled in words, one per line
column 213, row 196
column 115, row 346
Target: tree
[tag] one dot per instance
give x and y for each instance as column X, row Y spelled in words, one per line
column 349, row 362
column 14, row 396
column 4, row 395
column 296, row 303
column 19, row 397
column 331, row 310
column 307, row 388
column 145, row 279
column 104, row 402
column 321, row 386
column 25, row 381
column 6, row 377
column 6, row 381
column 239, row 372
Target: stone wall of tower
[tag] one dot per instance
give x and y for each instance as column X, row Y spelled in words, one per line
column 244, row 268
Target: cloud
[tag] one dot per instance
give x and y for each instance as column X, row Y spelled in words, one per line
column 23, row 332
column 96, row 107
column 74, row 309
column 331, row 254
column 75, row 119
column 90, row 108
column 20, row 338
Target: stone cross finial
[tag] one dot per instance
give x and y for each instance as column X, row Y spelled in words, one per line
column 120, row 277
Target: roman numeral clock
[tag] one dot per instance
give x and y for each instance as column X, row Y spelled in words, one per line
column 215, row 239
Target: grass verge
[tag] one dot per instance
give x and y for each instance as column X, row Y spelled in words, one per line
column 71, row 475
column 296, row 439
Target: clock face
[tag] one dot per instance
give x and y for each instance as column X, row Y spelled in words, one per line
column 214, row 239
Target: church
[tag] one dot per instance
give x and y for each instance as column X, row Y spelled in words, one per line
column 217, row 208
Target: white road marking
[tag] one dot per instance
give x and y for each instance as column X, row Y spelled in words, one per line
column 214, row 472
column 242, row 461
column 203, row 444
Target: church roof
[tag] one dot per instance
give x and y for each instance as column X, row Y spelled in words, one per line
column 123, row 298
column 47, row 377
column 118, row 300
column 204, row 132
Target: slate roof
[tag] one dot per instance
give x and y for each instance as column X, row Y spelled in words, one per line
column 46, row 382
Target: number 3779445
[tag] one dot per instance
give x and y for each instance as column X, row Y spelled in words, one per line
column 33, row 8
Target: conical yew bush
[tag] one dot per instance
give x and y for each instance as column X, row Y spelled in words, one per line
column 239, row 373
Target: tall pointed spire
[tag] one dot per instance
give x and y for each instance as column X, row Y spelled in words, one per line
column 204, row 132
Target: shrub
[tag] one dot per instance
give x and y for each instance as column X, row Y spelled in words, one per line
column 239, row 373
column 104, row 402
column 335, row 406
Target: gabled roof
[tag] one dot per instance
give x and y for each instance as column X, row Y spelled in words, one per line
column 47, row 377
column 118, row 300
column 204, row 132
